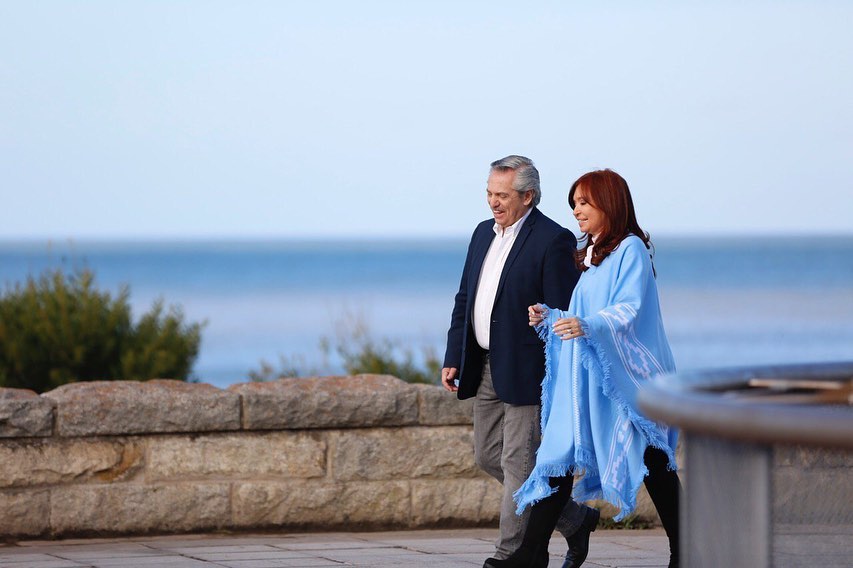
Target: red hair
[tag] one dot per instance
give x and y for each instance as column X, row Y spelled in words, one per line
column 607, row 191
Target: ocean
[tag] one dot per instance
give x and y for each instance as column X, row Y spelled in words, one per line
column 726, row 301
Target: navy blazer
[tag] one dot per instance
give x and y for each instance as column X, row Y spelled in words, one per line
column 540, row 268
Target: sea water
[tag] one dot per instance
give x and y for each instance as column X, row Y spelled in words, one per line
column 726, row 301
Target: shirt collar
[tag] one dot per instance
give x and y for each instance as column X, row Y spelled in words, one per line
column 513, row 229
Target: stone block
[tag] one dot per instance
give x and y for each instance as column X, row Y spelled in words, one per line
column 438, row 407
column 455, row 501
column 402, row 453
column 277, row 454
column 131, row 407
column 23, row 413
column 24, row 513
column 125, row 508
column 815, row 497
column 805, row 457
column 30, row 462
column 328, row 402
column 323, row 505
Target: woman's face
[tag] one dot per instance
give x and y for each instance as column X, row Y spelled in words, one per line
column 591, row 220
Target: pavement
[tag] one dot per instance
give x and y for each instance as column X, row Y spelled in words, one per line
column 422, row 548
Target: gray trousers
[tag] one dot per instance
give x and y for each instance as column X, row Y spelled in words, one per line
column 505, row 441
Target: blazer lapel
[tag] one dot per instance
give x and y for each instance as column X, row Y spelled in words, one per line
column 516, row 248
column 484, row 241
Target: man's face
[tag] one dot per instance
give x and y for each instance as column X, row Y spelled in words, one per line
column 507, row 205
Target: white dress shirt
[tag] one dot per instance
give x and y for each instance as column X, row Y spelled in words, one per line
column 490, row 276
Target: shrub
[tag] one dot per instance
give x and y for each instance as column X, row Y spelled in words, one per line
column 363, row 354
column 58, row 328
column 359, row 352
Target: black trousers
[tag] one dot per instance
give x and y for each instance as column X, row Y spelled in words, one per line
column 665, row 490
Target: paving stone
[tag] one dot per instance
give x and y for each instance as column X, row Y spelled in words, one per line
column 23, row 555
column 106, row 552
column 187, row 543
column 159, row 562
column 55, row 563
column 249, row 555
column 293, row 563
column 217, row 549
column 412, row 549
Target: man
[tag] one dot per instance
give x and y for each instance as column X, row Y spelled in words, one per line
column 517, row 259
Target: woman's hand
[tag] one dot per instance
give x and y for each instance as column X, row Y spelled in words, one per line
column 535, row 314
column 568, row 328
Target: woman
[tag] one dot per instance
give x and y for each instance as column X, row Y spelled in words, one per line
column 598, row 353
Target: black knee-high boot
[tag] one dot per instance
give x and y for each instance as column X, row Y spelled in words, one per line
column 664, row 488
column 533, row 552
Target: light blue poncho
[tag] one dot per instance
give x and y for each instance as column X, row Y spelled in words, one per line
column 590, row 422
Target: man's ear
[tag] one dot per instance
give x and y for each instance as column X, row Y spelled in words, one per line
column 528, row 197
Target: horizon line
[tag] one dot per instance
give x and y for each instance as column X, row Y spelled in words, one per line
column 367, row 238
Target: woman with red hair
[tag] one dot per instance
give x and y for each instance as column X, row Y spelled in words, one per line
column 598, row 353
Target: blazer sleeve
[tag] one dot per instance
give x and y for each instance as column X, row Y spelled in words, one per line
column 453, row 353
column 559, row 273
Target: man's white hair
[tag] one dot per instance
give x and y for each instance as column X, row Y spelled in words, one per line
column 526, row 175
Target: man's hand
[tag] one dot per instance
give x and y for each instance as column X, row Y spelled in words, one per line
column 448, row 374
column 535, row 314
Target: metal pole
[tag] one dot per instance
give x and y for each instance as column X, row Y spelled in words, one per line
column 726, row 515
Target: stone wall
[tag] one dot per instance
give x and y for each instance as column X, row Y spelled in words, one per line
column 123, row 457
column 166, row 456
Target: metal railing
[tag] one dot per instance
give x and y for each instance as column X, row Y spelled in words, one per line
column 738, row 426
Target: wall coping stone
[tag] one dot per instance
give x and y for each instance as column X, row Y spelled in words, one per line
column 438, row 407
column 25, row 414
column 328, row 402
column 116, row 408
column 133, row 407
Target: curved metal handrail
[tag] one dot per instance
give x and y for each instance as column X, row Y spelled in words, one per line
column 772, row 404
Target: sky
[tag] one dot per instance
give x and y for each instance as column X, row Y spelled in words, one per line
column 378, row 119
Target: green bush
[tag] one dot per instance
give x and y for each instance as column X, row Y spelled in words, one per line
column 363, row 354
column 58, row 328
column 359, row 352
